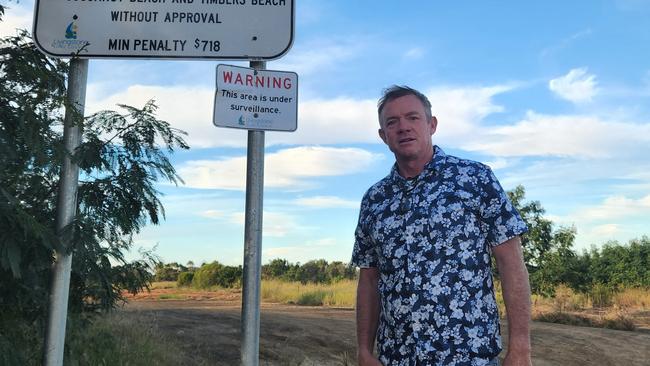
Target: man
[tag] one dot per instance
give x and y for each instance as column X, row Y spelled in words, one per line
column 423, row 245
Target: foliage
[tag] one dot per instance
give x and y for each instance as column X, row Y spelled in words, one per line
column 168, row 271
column 621, row 265
column 551, row 260
column 314, row 271
column 216, row 274
column 277, row 268
column 548, row 252
column 185, row 279
column 122, row 156
column 32, row 90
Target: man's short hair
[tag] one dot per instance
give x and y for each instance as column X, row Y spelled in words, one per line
column 398, row 91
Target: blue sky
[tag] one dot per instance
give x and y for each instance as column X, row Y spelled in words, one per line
column 553, row 95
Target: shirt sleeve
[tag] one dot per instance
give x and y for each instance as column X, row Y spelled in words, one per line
column 364, row 254
column 502, row 221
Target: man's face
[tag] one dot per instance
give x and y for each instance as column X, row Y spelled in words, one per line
column 406, row 129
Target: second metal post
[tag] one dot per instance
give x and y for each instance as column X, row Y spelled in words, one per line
column 250, row 324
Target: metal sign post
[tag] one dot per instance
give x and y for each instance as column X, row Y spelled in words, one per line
column 257, row 100
column 66, row 209
column 250, row 313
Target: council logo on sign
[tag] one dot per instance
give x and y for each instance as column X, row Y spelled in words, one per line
column 70, row 42
column 71, row 30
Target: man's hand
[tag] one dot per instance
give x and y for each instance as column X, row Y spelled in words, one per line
column 365, row 358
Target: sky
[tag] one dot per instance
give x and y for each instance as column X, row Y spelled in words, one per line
column 553, row 95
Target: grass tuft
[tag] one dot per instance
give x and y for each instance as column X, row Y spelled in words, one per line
column 119, row 338
column 339, row 294
column 618, row 322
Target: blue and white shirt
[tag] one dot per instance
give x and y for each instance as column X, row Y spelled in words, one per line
column 431, row 238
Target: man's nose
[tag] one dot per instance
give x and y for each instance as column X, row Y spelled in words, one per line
column 403, row 125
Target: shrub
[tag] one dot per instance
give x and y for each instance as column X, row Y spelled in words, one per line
column 564, row 318
column 601, row 295
column 620, row 322
column 185, row 279
column 567, row 300
column 216, row 274
column 312, row 298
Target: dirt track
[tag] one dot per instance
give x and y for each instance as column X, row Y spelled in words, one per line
column 293, row 335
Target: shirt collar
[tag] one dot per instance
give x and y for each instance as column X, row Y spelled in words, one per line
column 434, row 165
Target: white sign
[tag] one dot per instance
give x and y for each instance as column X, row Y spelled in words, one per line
column 256, row 99
column 172, row 29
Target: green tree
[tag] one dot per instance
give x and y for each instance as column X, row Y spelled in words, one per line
column 618, row 266
column 168, row 271
column 121, row 158
column 216, row 274
column 548, row 252
column 338, row 270
column 314, row 271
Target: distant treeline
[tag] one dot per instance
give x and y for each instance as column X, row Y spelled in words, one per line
column 612, row 267
column 216, row 274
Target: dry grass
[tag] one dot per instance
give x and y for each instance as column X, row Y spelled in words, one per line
column 120, row 338
column 632, row 299
column 163, row 285
column 601, row 307
column 339, row 294
column 618, row 321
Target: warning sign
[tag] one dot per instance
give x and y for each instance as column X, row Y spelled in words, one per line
column 256, row 99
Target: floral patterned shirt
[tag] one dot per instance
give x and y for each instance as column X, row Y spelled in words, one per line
column 431, row 237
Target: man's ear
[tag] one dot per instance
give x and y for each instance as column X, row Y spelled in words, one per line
column 434, row 124
column 382, row 134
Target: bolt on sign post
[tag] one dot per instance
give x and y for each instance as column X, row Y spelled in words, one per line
column 257, row 100
column 252, row 30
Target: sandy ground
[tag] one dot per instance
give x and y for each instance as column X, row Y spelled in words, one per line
column 209, row 332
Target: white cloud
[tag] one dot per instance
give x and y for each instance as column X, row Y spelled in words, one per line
column 287, row 168
column 607, row 230
column 325, row 248
column 212, row 214
column 275, row 224
column 460, row 113
column 414, row 53
column 562, row 135
column 460, row 110
column 320, row 121
column 326, row 202
column 577, row 86
column 615, row 218
column 15, row 17
column 566, row 42
column 190, row 109
column 318, row 56
column 614, row 208
column 498, row 164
